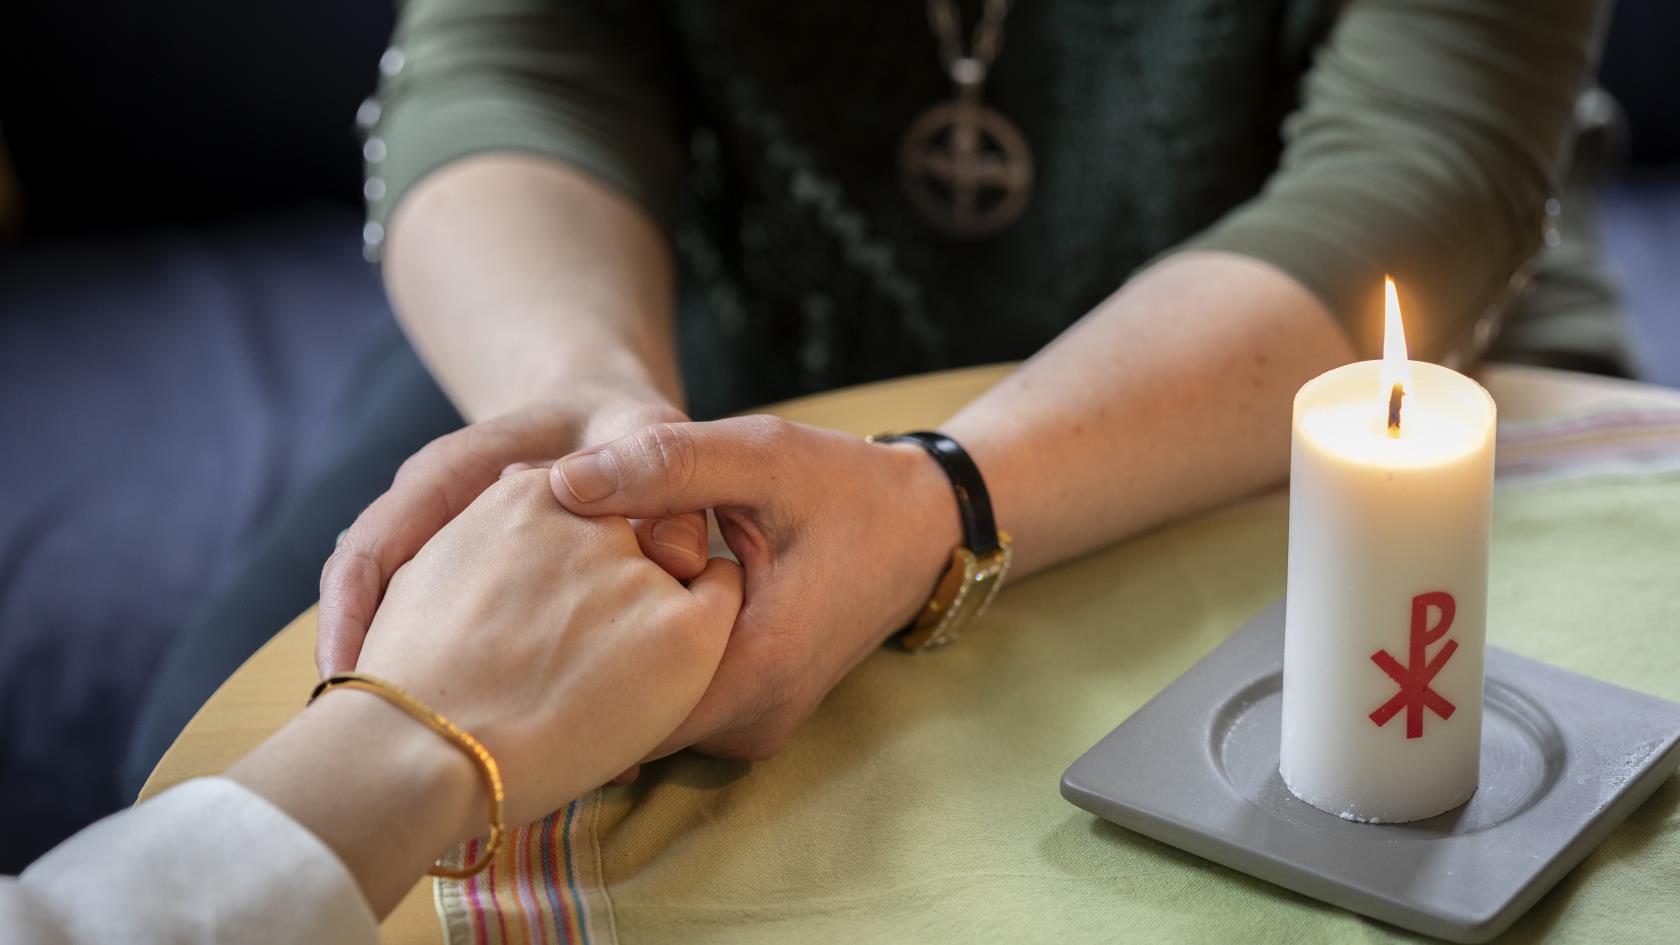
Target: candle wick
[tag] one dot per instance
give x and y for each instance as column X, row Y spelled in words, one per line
column 1394, row 397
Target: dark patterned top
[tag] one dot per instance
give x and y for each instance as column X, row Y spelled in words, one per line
column 1334, row 141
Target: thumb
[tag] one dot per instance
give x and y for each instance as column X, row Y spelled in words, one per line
column 670, row 468
column 718, row 590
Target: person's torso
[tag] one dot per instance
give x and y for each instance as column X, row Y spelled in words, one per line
column 801, row 248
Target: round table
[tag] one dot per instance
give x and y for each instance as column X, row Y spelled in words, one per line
column 271, row 686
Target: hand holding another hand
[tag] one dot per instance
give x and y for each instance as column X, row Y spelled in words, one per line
column 551, row 638
column 841, row 540
column 445, row 477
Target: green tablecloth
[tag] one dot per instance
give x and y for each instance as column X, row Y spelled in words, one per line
column 921, row 802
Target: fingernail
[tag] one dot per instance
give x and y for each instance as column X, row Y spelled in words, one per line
column 589, row 477
column 677, row 534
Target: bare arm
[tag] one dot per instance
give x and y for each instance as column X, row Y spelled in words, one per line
column 1171, row 396
column 541, row 301
column 519, row 156
column 516, row 275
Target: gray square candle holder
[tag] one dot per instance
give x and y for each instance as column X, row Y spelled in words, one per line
column 1565, row 759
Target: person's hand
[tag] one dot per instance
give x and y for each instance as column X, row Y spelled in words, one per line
column 551, row 638
column 449, row 473
column 842, row 541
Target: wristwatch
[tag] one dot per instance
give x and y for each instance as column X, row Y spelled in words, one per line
column 977, row 565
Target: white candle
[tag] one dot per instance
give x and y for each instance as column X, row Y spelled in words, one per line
column 1386, row 617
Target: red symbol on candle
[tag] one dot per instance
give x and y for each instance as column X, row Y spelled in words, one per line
column 1414, row 678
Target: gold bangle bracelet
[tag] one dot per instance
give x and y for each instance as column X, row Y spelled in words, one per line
column 457, row 736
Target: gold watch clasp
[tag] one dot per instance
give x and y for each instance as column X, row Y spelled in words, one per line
column 964, row 592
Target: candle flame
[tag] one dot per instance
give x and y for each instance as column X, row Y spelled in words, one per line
column 1396, row 368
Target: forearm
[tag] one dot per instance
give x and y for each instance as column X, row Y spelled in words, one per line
column 1172, row 396
column 516, row 276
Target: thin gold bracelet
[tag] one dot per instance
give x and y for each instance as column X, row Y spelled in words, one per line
column 457, row 736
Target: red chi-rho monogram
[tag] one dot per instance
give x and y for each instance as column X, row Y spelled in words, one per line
column 1414, row 678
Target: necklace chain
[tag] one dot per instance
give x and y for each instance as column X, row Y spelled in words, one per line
column 987, row 41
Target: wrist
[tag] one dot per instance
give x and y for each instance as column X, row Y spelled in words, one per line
column 440, row 785
column 931, row 527
column 604, row 409
column 383, row 792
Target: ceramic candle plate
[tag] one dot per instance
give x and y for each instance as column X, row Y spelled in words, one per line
column 1565, row 759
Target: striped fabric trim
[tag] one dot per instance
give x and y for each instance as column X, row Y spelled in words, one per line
column 542, row 888
column 1607, row 442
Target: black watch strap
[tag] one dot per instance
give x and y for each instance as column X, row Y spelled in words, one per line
column 974, row 504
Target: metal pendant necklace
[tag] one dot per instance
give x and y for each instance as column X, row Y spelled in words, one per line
column 966, row 169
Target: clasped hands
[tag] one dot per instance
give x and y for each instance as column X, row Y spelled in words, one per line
column 572, row 603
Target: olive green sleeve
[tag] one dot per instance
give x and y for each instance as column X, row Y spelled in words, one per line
column 579, row 81
column 1429, row 136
